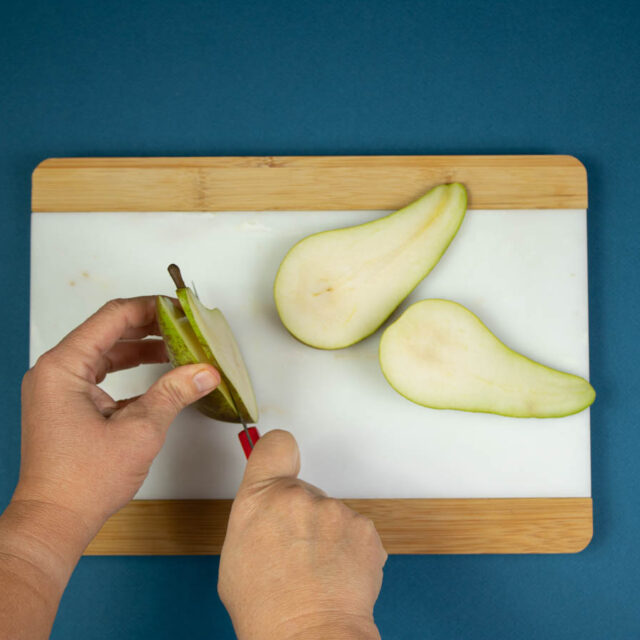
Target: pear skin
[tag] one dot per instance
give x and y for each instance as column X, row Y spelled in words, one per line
column 440, row 355
column 337, row 287
column 221, row 349
column 183, row 348
column 205, row 334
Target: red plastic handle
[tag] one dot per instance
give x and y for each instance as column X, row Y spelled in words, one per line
column 244, row 441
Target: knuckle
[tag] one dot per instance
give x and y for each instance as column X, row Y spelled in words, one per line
column 363, row 523
column 332, row 508
column 246, row 504
column 114, row 305
column 367, row 534
column 108, row 366
column 173, row 395
column 46, row 360
column 296, row 491
column 293, row 496
column 333, row 514
column 366, row 524
column 46, row 369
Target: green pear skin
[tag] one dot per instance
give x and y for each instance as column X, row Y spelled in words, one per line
column 183, row 348
column 440, row 355
column 221, row 350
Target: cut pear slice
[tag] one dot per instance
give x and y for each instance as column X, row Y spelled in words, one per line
column 337, row 287
column 221, row 349
column 440, row 355
column 184, row 348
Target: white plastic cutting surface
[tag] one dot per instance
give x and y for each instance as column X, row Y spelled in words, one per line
column 524, row 273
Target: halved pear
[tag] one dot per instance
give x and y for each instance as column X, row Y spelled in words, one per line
column 183, row 348
column 440, row 355
column 199, row 334
column 216, row 339
column 337, row 287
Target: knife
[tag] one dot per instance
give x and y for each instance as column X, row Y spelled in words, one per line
column 248, row 437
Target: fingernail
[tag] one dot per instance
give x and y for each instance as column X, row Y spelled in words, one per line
column 205, row 381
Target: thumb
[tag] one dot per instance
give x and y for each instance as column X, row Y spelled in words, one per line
column 173, row 392
column 275, row 455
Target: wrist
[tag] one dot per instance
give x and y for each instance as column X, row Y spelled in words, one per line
column 58, row 507
column 47, row 538
column 329, row 626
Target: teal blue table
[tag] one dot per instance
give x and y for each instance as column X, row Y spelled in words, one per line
column 350, row 77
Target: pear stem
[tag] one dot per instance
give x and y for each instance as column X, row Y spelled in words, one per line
column 174, row 272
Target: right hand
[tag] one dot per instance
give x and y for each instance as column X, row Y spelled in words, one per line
column 295, row 563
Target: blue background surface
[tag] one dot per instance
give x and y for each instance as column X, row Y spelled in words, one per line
column 350, row 77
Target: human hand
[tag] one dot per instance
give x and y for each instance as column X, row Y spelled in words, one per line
column 84, row 455
column 295, row 563
column 82, row 451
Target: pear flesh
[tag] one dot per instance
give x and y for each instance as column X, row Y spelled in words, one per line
column 440, row 355
column 221, row 349
column 183, row 348
column 335, row 288
column 194, row 333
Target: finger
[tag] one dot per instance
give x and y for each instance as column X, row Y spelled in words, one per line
column 128, row 354
column 275, row 455
column 171, row 393
column 135, row 333
column 103, row 329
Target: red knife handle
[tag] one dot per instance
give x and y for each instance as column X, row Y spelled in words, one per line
column 244, row 441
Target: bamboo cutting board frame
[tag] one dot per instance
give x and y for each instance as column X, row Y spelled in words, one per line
column 197, row 527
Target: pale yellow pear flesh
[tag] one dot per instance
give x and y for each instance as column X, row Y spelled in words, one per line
column 440, row 355
column 184, row 348
column 221, row 349
column 337, row 287
column 194, row 333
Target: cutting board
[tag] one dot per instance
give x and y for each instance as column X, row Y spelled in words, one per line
column 433, row 481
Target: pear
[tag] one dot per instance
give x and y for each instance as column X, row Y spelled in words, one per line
column 335, row 288
column 194, row 333
column 440, row 355
column 184, row 348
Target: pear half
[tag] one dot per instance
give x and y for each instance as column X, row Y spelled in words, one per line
column 337, row 287
column 195, row 333
column 440, row 355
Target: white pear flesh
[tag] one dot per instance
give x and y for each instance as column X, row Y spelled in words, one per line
column 440, row 355
column 219, row 344
column 183, row 348
column 335, row 288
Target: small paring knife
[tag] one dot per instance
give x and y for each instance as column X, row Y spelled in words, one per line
column 248, row 438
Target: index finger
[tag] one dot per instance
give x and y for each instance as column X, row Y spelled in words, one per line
column 117, row 318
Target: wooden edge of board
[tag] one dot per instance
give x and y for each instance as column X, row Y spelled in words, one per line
column 303, row 182
column 406, row 526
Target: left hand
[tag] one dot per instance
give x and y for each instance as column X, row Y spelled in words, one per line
column 82, row 451
column 84, row 455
